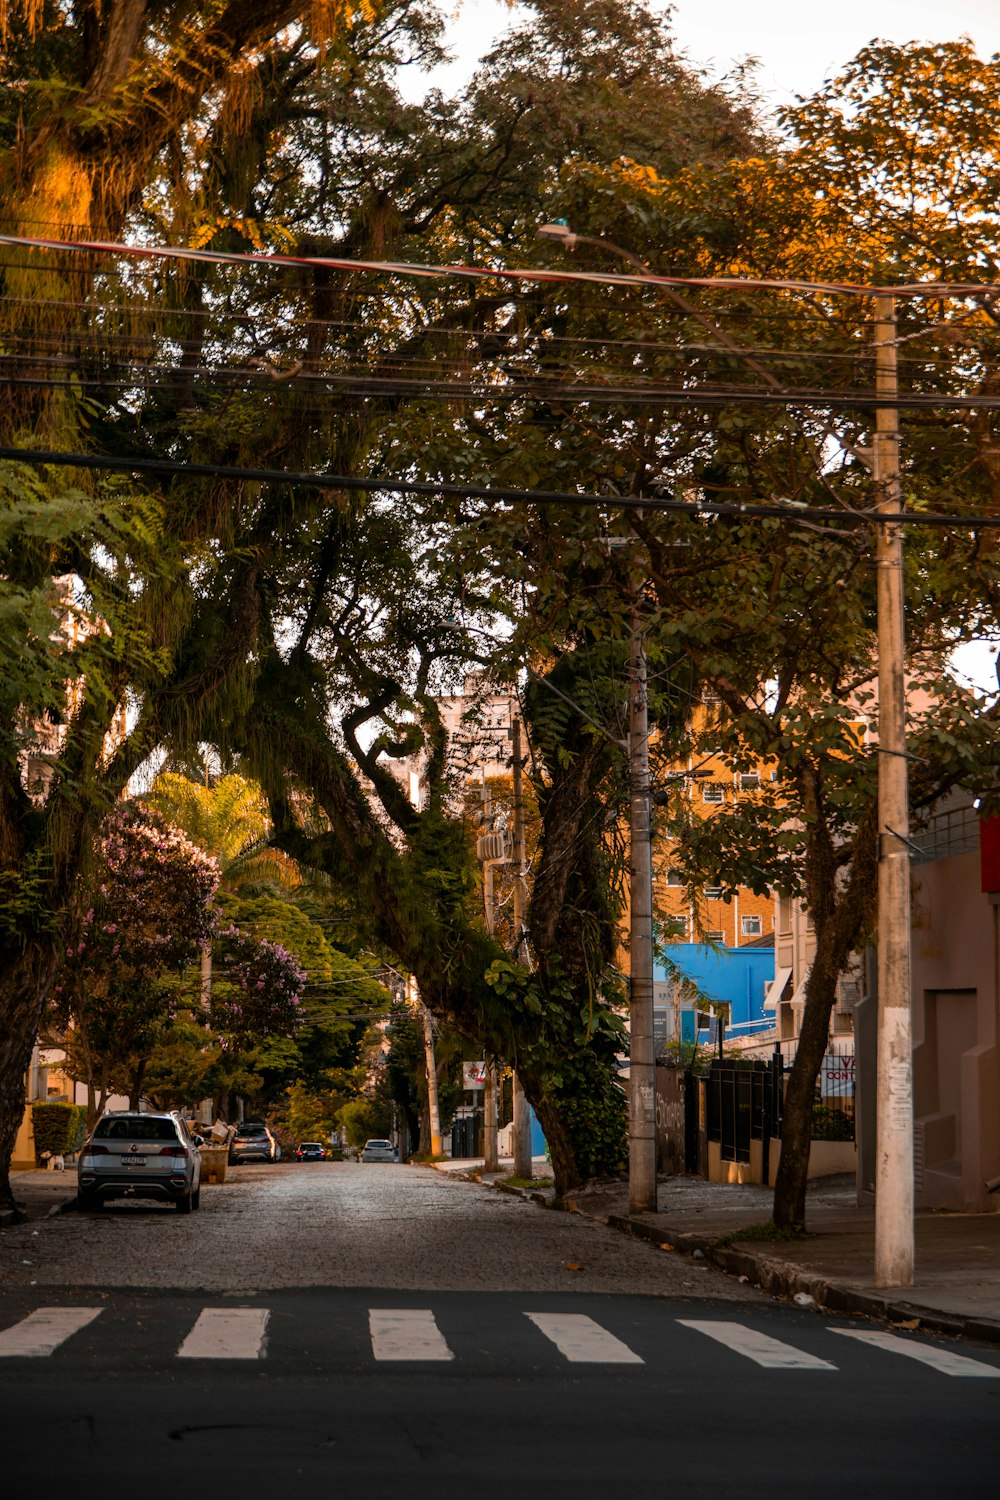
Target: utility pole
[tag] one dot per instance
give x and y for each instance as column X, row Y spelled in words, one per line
column 642, row 1078
column 430, row 1065
column 894, row 1251
column 522, row 1113
column 491, row 1159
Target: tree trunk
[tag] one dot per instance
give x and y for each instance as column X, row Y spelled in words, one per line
column 565, row 1170
column 27, row 974
column 135, row 1090
column 789, row 1209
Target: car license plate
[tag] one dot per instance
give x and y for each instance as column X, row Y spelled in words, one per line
column 133, row 1161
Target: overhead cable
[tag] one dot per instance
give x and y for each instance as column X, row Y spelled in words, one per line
column 702, row 509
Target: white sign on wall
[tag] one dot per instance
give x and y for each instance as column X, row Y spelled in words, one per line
column 474, row 1075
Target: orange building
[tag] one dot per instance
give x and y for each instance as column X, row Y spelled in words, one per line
column 716, row 913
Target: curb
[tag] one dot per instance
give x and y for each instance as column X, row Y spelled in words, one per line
column 782, row 1280
column 777, row 1278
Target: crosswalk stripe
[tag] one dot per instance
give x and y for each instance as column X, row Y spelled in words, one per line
column 763, row 1350
column 582, row 1340
column 44, row 1330
column 406, row 1333
column 942, row 1360
column 226, row 1333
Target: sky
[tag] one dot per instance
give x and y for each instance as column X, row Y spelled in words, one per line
column 794, row 59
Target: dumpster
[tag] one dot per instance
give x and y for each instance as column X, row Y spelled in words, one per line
column 214, row 1160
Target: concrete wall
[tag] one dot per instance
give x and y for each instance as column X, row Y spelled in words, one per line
column 956, row 1047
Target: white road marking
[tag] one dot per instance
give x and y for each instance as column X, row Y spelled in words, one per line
column 942, row 1360
column 763, row 1350
column 226, row 1333
column 406, row 1333
column 44, row 1330
column 582, row 1340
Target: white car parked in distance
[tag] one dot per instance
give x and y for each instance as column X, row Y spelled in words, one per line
column 378, row 1151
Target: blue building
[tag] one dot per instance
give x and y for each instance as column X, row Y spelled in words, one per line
column 738, row 976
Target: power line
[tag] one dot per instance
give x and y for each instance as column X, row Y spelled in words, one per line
column 504, row 273
column 704, row 509
column 530, row 388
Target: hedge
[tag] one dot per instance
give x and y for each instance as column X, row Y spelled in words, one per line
column 59, row 1128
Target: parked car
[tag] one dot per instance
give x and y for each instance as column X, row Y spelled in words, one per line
column 253, row 1142
column 135, row 1155
column 378, row 1151
column 310, row 1151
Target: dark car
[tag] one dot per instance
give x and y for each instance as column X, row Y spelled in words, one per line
column 137, row 1155
column 253, row 1142
column 310, row 1151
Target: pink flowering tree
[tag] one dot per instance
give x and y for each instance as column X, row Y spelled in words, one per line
column 256, row 991
column 145, row 915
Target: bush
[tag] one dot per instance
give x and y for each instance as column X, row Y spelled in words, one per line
column 59, row 1129
column 831, row 1124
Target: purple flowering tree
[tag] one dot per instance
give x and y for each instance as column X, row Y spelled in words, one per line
column 256, row 990
column 145, row 915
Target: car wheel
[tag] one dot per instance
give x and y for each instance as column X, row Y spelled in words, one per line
column 184, row 1204
column 196, row 1197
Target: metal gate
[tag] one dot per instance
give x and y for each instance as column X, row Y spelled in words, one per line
column 743, row 1105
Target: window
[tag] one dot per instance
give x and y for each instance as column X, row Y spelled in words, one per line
column 712, row 792
column 715, row 935
column 675, row 929
column 136, row 1128
column 751, row 926
column 749, row 781
column 713, row 893
column 674, row 877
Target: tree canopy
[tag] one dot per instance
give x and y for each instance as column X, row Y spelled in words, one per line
column 303, row 631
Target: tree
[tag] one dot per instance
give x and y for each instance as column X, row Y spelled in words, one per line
column 777, row 616
column 278, row 619
column 150, row 911
column 96, row 98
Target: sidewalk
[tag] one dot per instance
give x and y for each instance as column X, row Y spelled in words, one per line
column 40, row 1193
column 957, row 1285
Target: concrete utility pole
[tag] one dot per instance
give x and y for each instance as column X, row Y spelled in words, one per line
column 642, row 1078
column 894, row 1131
column 522, row 1113
column 491, row 1157
column 430, row 1065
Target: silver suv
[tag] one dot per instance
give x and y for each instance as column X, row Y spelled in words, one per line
column 253, row 1142
column 135, row 1155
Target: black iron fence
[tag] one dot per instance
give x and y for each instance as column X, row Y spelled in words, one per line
column 744, row 1102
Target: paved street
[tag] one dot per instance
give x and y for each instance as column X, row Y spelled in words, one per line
column 397, row 1328
column 340, row 1224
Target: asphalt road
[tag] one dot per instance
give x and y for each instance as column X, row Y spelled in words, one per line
column 402, row 1332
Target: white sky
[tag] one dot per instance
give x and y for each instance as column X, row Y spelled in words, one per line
column 794, row 57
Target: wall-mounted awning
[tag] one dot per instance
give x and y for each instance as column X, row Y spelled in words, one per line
column 776, row 988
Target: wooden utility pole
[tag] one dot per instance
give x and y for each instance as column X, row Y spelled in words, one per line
column 894, row 1239
column 522, row 1113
